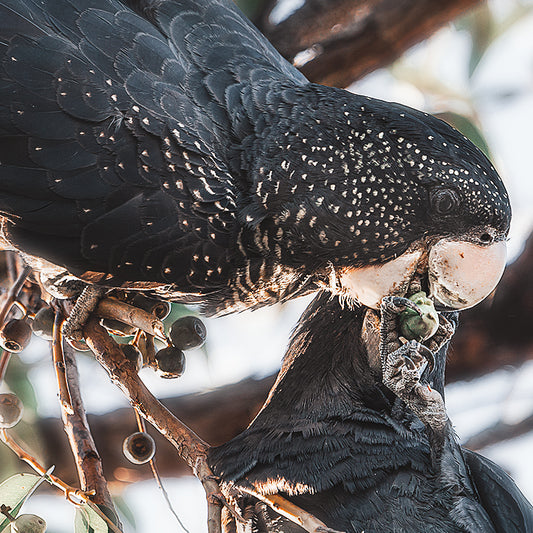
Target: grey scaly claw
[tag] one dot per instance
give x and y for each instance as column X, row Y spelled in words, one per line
column 85, row 304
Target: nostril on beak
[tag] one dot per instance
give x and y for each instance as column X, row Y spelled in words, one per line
column 486, row 238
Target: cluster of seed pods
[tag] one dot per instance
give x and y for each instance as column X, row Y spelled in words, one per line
column 185, row 333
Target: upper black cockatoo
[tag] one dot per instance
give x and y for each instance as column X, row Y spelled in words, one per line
column 165, row 145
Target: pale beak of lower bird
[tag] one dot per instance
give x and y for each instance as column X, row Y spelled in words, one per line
column 460, row 274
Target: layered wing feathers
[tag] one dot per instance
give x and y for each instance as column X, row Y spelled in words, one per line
column 118, row 134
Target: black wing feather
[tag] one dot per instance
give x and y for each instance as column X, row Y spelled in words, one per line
column 507, row 507
column 128, row 124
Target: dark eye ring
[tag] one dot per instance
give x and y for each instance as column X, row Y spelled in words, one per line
column 444, row 201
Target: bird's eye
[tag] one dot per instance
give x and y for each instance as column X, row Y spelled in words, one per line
column 444, row 201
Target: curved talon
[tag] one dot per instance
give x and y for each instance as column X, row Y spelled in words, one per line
column 405, row 303
column 428, row 355
column 410, row 362
column 398, row 304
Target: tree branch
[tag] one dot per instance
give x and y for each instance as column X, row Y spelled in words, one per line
column 191, row 448
column 499, row 432
column 350, row 38
column 87, row 459
column 235, row 404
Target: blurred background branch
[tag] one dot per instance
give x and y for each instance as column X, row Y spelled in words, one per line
column 336, row 42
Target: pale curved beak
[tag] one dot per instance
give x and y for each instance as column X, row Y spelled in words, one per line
column 462, row 274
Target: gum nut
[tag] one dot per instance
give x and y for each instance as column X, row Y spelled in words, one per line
column 188, row 332
column 15, row 335
column 28, row 523
column 11, row 410
column 133, row 354
column 419, row 327
column 43, row 323
column 369, row 285
column 462, row 274
column 139, row 447
column 170, row 362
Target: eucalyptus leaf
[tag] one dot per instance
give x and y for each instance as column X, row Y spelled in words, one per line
column 125, row 511
column 482, row 34
column 88, row 521
column 14, row 491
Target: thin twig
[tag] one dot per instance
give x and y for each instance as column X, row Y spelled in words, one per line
column 12, row 264
column 157, row 478
column 59, row 365
column 4, row 361
column 142, row 427
column 88, row 462
column 30, row 460
column 73, row 495
column 128, row 314
column 191, row 448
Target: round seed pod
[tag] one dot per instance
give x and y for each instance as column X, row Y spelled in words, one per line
column 15, row 335
column 11, row 410
column 170, row 362
column 419, row 327
column 133, row 354
column 28, row 523
column 139, row 447
column 188, row 332
column 43, row 323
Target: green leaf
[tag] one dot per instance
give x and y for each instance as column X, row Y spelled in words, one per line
column 88, row 521
column 467, row 127
column 482, row 34
column 17, row 380
column 125, row 510
column 15, row 490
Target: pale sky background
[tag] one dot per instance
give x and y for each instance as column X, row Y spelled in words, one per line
column 254, row 343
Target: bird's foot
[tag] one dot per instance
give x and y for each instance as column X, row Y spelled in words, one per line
column 402, row 370
column 403, row 365
column 390, row 340
column 85, row 304
column 443, row 334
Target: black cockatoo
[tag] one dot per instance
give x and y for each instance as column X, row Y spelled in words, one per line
column 165, row 145
column 337, row 442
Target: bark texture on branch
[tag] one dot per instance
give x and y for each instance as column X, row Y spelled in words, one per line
column 87, row 459
column 217, row 416
column 351, row 38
